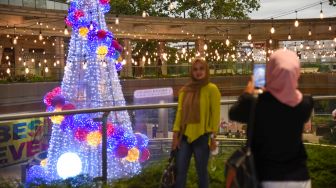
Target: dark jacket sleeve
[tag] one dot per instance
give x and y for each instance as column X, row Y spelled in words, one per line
column 240, row 111
column 309, row 105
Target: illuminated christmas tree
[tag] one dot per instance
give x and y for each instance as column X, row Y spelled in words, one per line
column 90, row 81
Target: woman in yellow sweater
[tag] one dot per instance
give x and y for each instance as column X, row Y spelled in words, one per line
column 196, row 124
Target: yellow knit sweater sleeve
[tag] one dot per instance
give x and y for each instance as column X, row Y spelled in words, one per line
column 176, row 127
column 215, row 98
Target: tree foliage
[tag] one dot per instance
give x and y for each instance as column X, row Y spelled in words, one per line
column 215, row 9
column 332, row 2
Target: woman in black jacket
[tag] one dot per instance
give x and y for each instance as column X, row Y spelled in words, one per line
column 280, row 113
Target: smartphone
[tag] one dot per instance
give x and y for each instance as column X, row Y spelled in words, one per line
column 259, row 71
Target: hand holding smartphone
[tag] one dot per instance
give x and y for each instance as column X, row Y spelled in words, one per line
column 259, row 71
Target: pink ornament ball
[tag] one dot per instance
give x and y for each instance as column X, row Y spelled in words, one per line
column 110, row 129
column 81, row 134
column 101, row 34
column 104, row 1
column 144, row 156
column 121, row 151
column 68, row 106
column 117, row 46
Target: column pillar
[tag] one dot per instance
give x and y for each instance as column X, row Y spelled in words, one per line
column 59, row 56
column 127, row 54
column 59, row 51
column 161, row 51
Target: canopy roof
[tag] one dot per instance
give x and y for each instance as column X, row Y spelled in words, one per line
column 162, row 28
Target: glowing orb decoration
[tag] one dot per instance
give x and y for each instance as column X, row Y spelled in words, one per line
column 34, row 173
column 69, row 165
column 94, row 138
column 133, row 155
column 43, row 163
column 83, row 31
column 102, row 51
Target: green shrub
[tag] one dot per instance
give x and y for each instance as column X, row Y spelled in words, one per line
column 321, row 165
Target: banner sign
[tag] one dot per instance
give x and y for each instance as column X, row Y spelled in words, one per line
column 20, row 140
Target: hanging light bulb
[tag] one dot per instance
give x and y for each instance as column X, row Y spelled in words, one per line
column 321, row 12
column 270, row 41
column 227, row 42
column 296, row 23
column 183, row 50
column 272, row 28
column 66, row 32
column 309, row 32
column 289, row 36
column 46, row 69
column 249, row 37
column 8, row 70
column 26, row 70
column 15, row 37
column 205, row 46
column 40, row 35
column 117, row 20
column 329, row 28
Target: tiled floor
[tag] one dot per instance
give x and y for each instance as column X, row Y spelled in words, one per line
column 12, row 172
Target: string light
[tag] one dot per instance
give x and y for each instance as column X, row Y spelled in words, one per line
column 144, row 14
column 289, row 35
column 66, row 32
column 205, row 47
column 249, row 37
column 321, row 12
column 117, row 20
column 40, row 35
column 15, row 37
column 227, row 41
column 272, row 28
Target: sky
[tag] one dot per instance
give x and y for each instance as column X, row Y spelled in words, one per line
column 272, row 8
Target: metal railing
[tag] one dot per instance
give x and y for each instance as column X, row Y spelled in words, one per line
column 154, row 71
column 105, row 113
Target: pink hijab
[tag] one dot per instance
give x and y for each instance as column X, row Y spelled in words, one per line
column 282, row 74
